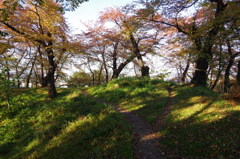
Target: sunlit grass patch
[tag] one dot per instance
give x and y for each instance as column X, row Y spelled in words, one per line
column 72, row 95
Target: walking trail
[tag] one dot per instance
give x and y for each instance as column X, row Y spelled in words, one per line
column 145, row 136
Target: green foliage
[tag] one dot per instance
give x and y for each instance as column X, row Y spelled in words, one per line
column 162, row 76
column 79, row 79
column 70, row 126
column 71, row 5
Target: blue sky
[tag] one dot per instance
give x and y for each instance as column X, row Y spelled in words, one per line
column 89, row 11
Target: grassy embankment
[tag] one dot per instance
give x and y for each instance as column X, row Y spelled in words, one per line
column 201, row 124
column 70, row 126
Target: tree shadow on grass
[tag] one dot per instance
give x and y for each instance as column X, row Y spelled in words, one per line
column 50, row 121
column 217, row 139
column 204, row 133
column 99, row 138
column 96, row 137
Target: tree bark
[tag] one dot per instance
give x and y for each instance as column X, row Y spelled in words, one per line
column 117, row 71
column 220, row 69
column 36, row 76
column 30, row 73
column 200, row 74
column 52, row 92
column 229, row 66
column 136, row 51
column 238, row 73
column 218, row 77
column 184, row 75
column 114, row 56
column 42, row 79
column 226, row 76
column 99, row 74
column 105, row 66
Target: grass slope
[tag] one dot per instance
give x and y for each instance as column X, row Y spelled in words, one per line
column 201, row 124
column 70, row 126
column 145, row 97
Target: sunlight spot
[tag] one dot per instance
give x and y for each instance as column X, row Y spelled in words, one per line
column 150, row 136
column 73, row 95
column 197, row 99
column 135, row 107
column 32, row 144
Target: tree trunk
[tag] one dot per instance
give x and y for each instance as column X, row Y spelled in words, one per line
column 114, row 56
column 30, row 73
column 105, row 67
column 18, row 83
column 184, row 75
column 136, row 51
column 52, row 92
column 226, row 76
column 117, row 71
column 93, row 79
column 220, row 69
column 230, row 64
column 99, row 74
column 36, row 76
column 18, row 78
column 200, row 74
column 217, row 78
column 145, row 71
column 238, row 74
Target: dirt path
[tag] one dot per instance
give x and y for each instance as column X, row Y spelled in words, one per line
column 146, row 136
column 146, row 140
column 161, row 119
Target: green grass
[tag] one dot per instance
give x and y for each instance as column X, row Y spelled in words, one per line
column 201, row 125
column 70, row 126
column 143, row 96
